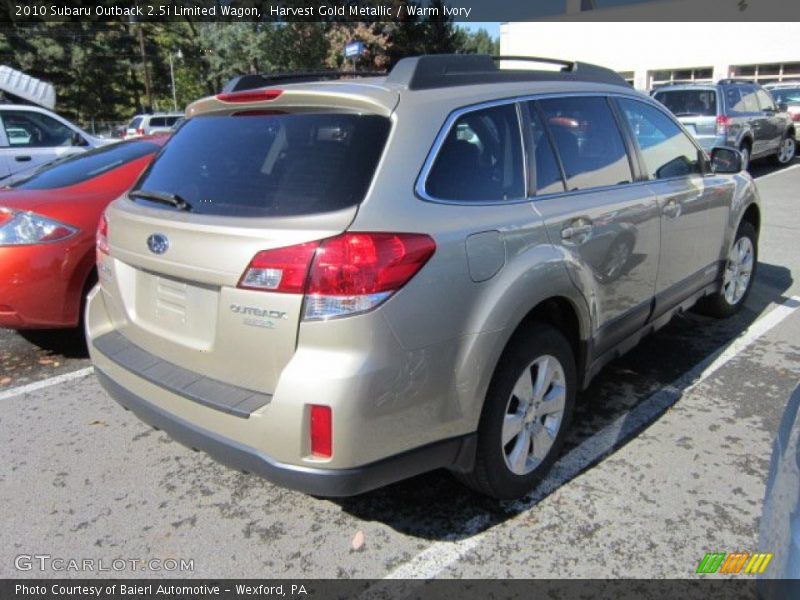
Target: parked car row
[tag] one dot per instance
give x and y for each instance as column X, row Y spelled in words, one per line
column 151, row 124
column 787, row 93
column 737, row 114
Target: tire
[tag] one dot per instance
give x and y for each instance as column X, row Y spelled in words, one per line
column 786, row 151
column 745, row 150
column 511, row 470
column 740, row 270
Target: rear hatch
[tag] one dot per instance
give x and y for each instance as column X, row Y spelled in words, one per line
column 696, row 109
column 226, row 188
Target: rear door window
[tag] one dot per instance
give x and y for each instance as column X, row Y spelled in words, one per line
column 269, row 165
column 667, row 151
column 765, row 101
column 587, row 141
column 480, row 159
column 34, row 130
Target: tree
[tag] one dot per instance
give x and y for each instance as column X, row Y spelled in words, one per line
column 480, row 42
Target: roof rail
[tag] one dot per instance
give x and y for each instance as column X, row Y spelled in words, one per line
column 448, row 70
column 249, row 82
column 731, row 81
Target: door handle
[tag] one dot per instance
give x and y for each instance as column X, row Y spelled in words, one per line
column 577, row 232
column 22, row 158
column 672, row 209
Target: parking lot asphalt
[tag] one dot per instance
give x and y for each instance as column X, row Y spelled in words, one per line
column 667, row 460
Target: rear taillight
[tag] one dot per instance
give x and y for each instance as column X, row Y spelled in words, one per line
column 321, row 430
column 19, row 228
column 280, row 270
column 722, row 124
column 139, row 131
column 344, row 275
column 102, row 238
column 355, row 272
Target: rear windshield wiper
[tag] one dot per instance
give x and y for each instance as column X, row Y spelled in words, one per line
column 162, row 197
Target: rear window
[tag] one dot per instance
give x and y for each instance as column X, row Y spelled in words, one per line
column 269, row 165
column 787, row 95
column 77, row 168
column 135, row 123
column 689, row 103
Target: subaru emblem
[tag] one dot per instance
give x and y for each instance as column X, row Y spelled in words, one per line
column 158, row 243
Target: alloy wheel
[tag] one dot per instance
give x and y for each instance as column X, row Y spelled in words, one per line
column 534, row 414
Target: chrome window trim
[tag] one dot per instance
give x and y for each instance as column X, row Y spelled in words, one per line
column 444, row 131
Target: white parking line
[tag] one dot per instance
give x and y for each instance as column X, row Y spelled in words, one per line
column 440, row 555
column 45, row 383
column 778, row 172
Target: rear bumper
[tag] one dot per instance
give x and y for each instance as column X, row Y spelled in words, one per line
column 41, row 285
column 453, row 453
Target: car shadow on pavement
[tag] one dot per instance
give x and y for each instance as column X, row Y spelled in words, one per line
column 435, row 506
column 69, row 343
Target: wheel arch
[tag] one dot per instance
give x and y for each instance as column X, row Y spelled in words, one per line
column 752, row 215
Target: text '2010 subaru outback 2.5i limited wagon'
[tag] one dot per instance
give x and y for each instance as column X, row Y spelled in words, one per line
column 340, row 284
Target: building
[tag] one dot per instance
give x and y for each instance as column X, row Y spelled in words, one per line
column 649, row 54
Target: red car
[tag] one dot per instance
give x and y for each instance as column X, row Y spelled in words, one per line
column 48, row 222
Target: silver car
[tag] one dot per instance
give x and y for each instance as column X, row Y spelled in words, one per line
column 340, row 284
column 31, row 136
column 733, row 113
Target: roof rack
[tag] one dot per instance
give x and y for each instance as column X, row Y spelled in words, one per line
column 734, row 81
column 449, row 70
column 249, row 82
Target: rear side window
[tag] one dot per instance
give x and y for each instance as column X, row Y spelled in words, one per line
column 480, row 159
column 588, row 141
column 689, row 103
column 733, row 100
column 749, row 100
column 158, row 122
column 667, row 151
column 274, row 165
column 77, row 168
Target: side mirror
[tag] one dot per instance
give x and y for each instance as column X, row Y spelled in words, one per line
column 783, row 107
column 78, row 140
column 726, row 160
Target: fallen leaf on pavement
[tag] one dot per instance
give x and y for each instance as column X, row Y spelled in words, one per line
column 358, row 540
